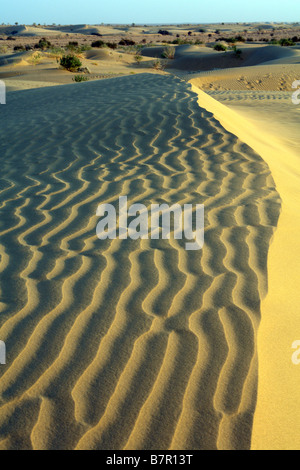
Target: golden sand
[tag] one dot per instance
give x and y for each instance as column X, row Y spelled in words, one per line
column 140, row 344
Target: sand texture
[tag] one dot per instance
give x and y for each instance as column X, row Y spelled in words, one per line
column 128, row 344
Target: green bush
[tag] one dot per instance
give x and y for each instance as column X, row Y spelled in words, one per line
column 237, row 52
column 220, row 47
column 168, row 52
column 138, row 58
column 240, row 38
column 274, row 42
column 43, row 44
column 112, row 45
column 286, row 42
column 80, row 78
column 70, row 62
column 98, row 43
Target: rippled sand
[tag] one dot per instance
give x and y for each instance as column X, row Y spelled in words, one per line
column 128, row 344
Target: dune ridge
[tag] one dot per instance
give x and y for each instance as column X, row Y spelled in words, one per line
column 129, row 344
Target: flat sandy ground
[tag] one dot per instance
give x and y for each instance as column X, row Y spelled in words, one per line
column 141, row 344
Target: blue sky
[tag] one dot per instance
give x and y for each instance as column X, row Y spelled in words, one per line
column 151, row 11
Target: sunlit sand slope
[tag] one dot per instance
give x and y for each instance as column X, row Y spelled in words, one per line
column 128, row 344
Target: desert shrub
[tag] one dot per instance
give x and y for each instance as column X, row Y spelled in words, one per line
column 19, row 48
column 126, row 42
column 70, row 62
column 83, row 48
column 295, row 39
column 78, row 49
column 220, row 47
column 73, row 43
column 157, row 64
column 286, row 42
column 3, row 49
column 168, row 52
column 80, row 78
column 10, row 38
column 43, row 44
column 240, row 38
column 201, row 30
column 55, row 51
column 181, row 42
column 98, row 43
column 164, row 32
column 35, row 58
column 112, row 45
column 138, row 58
column 231, row 40
column 237, row 52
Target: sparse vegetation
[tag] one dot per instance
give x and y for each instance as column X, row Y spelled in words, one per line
column 220, row 47
column 80, row 78
column 43, row 44
column 164, row 32
column 286, row 42
column 168, row 52
column 112, row 45
column 98, row 43
column 126, row 42
column 237, row 52
column 19, row 48
column 70, row 62
column 138, row 58
column 240, row 38
column 157, row 64
column 35, row 58
column 55, row 51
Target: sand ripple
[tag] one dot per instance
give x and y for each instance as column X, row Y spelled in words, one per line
column 133, row 344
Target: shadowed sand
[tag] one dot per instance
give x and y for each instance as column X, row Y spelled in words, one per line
column 128, row 344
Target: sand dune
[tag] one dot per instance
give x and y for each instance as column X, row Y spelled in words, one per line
column 130, row 344
column 270, row 126
column 198, row 58
column 19, row 58
column 261, row 78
